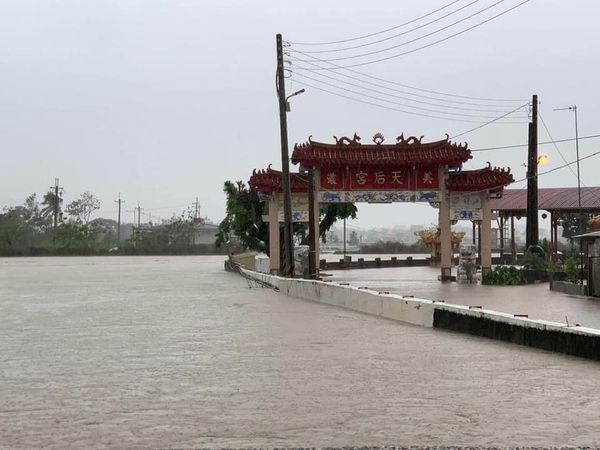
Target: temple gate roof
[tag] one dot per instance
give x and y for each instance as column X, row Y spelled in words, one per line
column 406, row 151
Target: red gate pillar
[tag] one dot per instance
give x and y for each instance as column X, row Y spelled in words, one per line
column 444, row 225
column 486, row 234
column 274, row 244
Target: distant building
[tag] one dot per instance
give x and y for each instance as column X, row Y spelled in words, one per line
column 205, row 232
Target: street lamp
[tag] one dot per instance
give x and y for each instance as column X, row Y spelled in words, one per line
column 574, row 109
column 287, row 103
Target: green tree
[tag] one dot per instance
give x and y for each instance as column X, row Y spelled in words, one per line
column 22, row 228
column 573, row 224
column 52, row 203
column 243, row 218
column 332, row 212
column 82, row 208
column 244, row 211
column 74, row 237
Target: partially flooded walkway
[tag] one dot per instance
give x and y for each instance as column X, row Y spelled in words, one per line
column 536, row 300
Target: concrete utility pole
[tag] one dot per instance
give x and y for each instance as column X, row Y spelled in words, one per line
column 288, row 225
column 532, row 230
column 120, row 202
column 56, row 207
column 139, row 214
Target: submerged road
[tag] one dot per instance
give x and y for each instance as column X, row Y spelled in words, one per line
column 132, row 352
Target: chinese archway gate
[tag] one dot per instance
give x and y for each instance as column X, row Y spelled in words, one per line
column 408, row 170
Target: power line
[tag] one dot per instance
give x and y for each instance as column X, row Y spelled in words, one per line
column 412, row 41
column 452, row 102
column 397, row 103
column 395, row 35
column 378, row 32
column 562, row 156
column 304, row 83
column 560, row 167
column 486, row 149
column 336, row 67
column 488, row 123
column 431, row 43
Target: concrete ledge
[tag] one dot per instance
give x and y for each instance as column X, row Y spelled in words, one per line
column 556, row 338
column 568, row 288
column 553, row 336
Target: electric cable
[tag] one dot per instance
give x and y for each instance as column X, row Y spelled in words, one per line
column 336, row 67
column 378, row 32
column 402, row 104
column 487, row 149
column 304, row 83
column 488, row 123
column 452, row 102
column 366, row 63
column 411, row 41
column 395, row 35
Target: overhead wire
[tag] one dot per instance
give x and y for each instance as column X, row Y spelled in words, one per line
column 411, row 41
column 488, row 123
column 501, row 147
column 559, row 167
column 395, row 35
column 312, row 86
column 361, row 64
column 437, row 99
column 479, row 116
column 562, row 156
column 336, row 68
column 365, row 36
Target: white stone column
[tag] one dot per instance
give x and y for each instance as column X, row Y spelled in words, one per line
column 444, row 225
column 317, row 213
column 274, row 244
column 486, row 234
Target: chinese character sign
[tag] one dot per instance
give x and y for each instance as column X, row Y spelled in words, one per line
column 380, row 178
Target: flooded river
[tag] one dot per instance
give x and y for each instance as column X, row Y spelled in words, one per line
column 138, row 352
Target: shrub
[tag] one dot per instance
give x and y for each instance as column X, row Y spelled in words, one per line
column 572, row 271
column 504, row 276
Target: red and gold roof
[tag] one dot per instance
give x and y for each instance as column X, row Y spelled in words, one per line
column 269, row 180
column 405, row 152
column 479, row 180
column 488, row 178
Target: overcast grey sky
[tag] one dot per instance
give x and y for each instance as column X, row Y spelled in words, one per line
column 163, row 100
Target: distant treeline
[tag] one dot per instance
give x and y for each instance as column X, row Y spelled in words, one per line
column 389, row 247
column 45, row 229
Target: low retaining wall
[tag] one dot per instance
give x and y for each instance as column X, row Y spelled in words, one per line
column 568, row 288
column 378, row 263
column 558, row 337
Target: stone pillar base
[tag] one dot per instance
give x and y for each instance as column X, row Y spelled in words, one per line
column 485, row 271
column 446, row 274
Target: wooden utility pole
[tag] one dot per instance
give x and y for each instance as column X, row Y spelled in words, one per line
column 288, row 234
column 119, row 201
column 532, row 230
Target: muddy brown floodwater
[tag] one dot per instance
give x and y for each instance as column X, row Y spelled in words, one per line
column 137, row 352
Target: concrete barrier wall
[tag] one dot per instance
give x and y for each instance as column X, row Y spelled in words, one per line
column 389, row 306
column 554, row 336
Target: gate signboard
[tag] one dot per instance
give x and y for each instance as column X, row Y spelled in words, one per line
column 465, row 206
